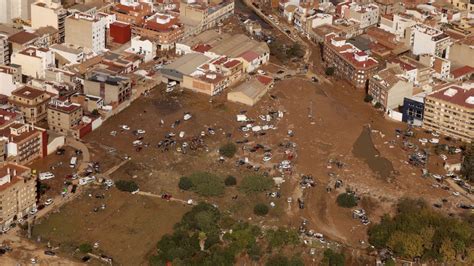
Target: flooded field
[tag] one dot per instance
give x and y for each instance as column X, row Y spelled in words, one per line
column 364, row 149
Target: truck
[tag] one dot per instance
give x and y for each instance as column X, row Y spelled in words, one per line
column 73, row 162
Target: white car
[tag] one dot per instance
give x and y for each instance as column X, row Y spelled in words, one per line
column 46, row 175
column 187, row 116
column 267, row 158
column 434, row 141
column 33, row 211
column 455, row 193
column 48, row 202
column 141, row 131
column 261, row 72
column 181, row 134
column 169, row 89
column 444, row 157
column 423, row 140
column 435, row 134
column 125, row 127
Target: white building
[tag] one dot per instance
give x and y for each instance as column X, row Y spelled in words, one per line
column 321, row 19
column 427, row 40
column 366, row 15
column 10, row 78
column 144, row 47
column 92, row 32
column 11, row 9
column 398, row 25
column 72, row 53
column 34, row 61
column 48, row 13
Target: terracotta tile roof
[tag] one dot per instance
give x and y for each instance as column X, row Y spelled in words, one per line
column 249, row 56
column 231, row 63
column 22, row 37
column 455, row 95
column 28, row 92
column 266, row 80
column 202, row 48
column 462, row 71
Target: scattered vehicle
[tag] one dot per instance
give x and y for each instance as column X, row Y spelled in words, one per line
column 49, row 253
column 455, row 193
column 124, row 127
column 423, row 140
column 46, row 175
column 33, row 211
column 60, row 151
column 141, row 131
column 73, row 162
column 434, row 141
column 48, row 202
column 187, row 116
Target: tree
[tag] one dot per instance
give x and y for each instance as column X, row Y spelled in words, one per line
column 295, row 51
column 407, row 245
column 378, row 105
column 368, row 98
column 281, row 237
column 255, row 183
column 467, row 168
column 207, row 184
column 95, row 112
column 185, row 183
column 85, row 248
column 126, row 185
column 230, row 181
column 346, row 200
column 228, row 150
column 278, row 260
column 260, row 209
column 332, row 258
column 329, row 71
column 447, row 250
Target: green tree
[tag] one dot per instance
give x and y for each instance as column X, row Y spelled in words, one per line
column 95, row 112
column 408, row 245
column 368, row 98
column 332, row 258
column 467, row 168
column 207, row 184
column 378, row 105
column 126, row 185
column 346, row 200
column 255, row 183
column 230, row 181
column 295, row 51
column 85, row 248
column 447, row 250
column 329, row 71
column 228, row 150
column 185, row 183
column 260, row 209
column 281, row 237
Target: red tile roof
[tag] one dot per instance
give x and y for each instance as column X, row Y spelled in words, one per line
column 249, row 56
column 458, row 98
column 264, row 79
column 462, row 71
column 231, row 63
column 202, row 48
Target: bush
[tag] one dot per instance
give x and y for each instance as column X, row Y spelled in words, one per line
column 126, row 185
column 280, row 260
column 281, row 237
column 332, row 258
column 185, row 183
column 329, row 71
column 467, row 169
column 85, row 248
column 230, row 181
column 368, row 98
column 207, row 184
column 346, row 200
column 260, row 209
column 255, row 183
column 378, row 105
column 228, row 150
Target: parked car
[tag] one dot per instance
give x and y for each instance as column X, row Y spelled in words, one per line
column 48, row 202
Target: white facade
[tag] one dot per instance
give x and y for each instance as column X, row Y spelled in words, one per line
column 92, row 31
column 143, row 47
column 321, row 19
column 34, row 61
column 72, row 54
column 8, row 84
column 10, row 9
column 367, row 15
column 427, row 40
column 398, row 25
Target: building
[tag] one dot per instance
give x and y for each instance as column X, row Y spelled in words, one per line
column 48, row 13
column 427, row 40
column 92, row 32
column 389, row 88
column 68, row 53
column 113, row 89
column 198, row 16
column 450, row 111
column 132, row 13
column 250, row 92
column 143, row 47
column 17, row 193
column 22, row 40
column 89, row 103
column 348, row 61
column 120, row 32
column 34, row 61
column 164, row 29
column 64, row 116
column 31, row 102
column 413, row 109
column 4, row 50
column 463, row 4
column 14, row 9
column 389, row 6
column 24, row 142
column 414, row 71
column 462, row 73
column 366, row 15
column 462, row 52
column 10, row 78
column 441, row 67
column 397, row 24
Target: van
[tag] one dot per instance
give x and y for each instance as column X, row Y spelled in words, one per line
column 86, row 180
column 46, row 175
column 73, row 162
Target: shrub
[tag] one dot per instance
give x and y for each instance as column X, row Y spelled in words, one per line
column 255, row 183
column 346, row 200
column 378, row 105
column 207, row 184
column 368, row 98
column 228, row 150
column 185, row 183
column 260, row 209
column 126, row 185
column 332, row 258
column 85, row 248
column 329, row 71
column 281, row 237
column 230, row 181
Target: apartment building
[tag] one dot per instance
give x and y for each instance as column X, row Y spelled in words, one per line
column 49, row 13
column 198, row 16
column 397, row 24
column 17, row 193
column 92, row 32
column 427, row 40
column 112, row 88
column 366, row 15
column 389, row 6
column 450, row 111
column 31, row 102
column 441, row 67
column 143, row 47
column 64, row 116
column 132, row 13
column 164, row 29
column 34, row 61
column 463, row 4
column 14, row 9
column 417, row 73
column 389, row 88
column 24, row 142
column 347, row 61
column 10, row 78
column 4, row 50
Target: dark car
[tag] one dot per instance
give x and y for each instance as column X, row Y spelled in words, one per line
column 49, row 253
column 60, row 151
column 300, row 203
column 74, row 188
